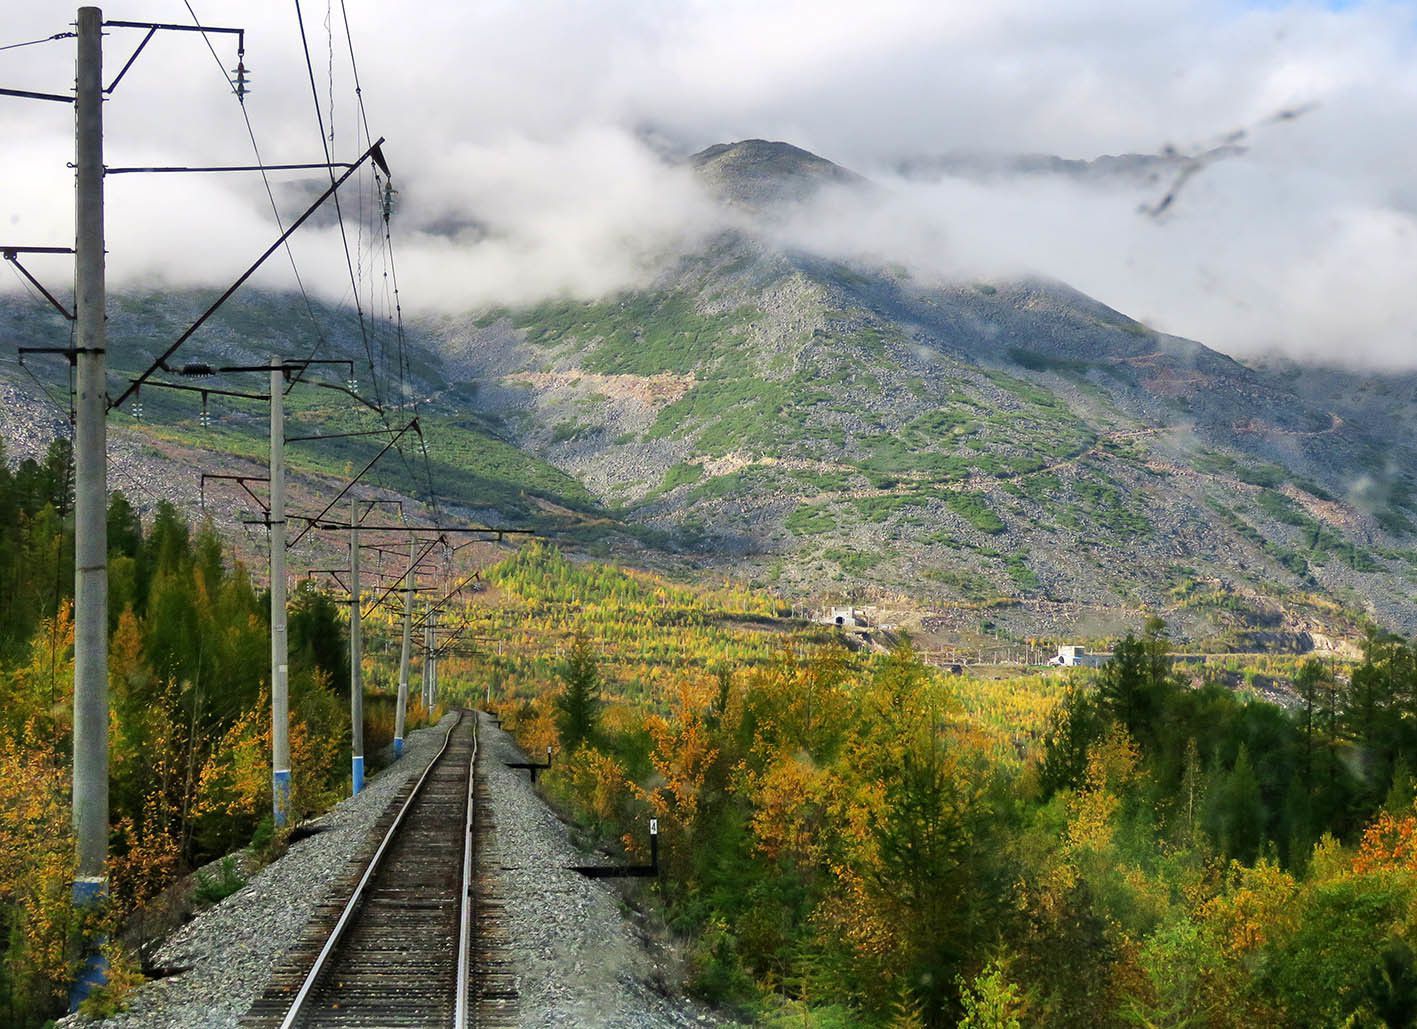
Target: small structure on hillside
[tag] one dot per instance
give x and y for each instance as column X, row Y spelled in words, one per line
column 1076, row 656
column 843, row 617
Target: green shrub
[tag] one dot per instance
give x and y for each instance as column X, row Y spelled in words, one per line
column 810, row 520
column 973, row 509
column 222, row 883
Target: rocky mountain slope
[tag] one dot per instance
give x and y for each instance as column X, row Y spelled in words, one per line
column 1014, row 457
column 818, row 427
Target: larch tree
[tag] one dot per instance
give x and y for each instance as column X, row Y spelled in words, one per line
column 578, row 706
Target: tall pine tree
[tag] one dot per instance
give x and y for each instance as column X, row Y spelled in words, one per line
column 579, row 704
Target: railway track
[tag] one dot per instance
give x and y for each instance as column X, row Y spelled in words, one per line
column 411, row 938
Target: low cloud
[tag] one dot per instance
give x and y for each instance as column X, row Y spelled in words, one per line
column 525, row 170
column 519, row 220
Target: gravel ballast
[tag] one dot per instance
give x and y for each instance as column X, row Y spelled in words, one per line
column 229, row 950
column 576, row 959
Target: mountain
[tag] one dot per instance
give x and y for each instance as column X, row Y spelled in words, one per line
column 982, row 461
column 759, row 174
column 821, row 427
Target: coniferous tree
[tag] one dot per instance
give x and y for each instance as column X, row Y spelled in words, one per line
column 1236, row 809
column 579, row 704
column 1073, row 728
column 1135, row 684
column 1309, row 683
column 317, row 637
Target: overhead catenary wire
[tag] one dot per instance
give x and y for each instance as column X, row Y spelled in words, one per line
column 339, row 211
column 161, row 361
column 321, row 339
column 392, row 272
column 353, row 482
column 391, row 286
column 353, row 276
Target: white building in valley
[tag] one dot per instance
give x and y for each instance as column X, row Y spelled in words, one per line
column 1075, row 656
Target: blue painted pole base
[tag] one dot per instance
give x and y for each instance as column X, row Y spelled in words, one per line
column 358, row 774
column 398, row 747
column 89, row 893
column 280, row 796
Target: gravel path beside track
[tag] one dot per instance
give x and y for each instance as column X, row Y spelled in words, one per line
column 578, row 962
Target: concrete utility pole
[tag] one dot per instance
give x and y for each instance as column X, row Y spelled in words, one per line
column 356, row 656
column 401, row 708
column 90, row 784
column 432, row 663
column 91, row 471
column 427, row 654
column 280, row 649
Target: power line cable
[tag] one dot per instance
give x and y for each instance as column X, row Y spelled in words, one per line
column 321, row 340
column 270, row 193
column 382, row 204
column 339, row 211
column 354, row 281
column 32, row 42
column 363, row 121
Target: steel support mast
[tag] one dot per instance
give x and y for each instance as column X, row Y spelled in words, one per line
column 280, row 649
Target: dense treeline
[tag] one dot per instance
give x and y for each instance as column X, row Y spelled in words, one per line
column 849, row 840
column 189, row 714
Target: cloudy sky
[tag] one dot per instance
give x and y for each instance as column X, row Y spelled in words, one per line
column 527, row 141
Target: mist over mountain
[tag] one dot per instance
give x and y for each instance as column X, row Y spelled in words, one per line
column 1001, row 454
column 573, row 184
column 1108, row 170
column 847, row 426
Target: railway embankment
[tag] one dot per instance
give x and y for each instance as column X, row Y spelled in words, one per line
column 223, row 958
column 578, row 960
column 575, row 956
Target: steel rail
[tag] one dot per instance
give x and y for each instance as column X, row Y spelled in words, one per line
column 294, row 1012
column 460, row 1011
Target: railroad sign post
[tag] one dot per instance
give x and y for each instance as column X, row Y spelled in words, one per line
column 648, row 871
column 532, row 766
